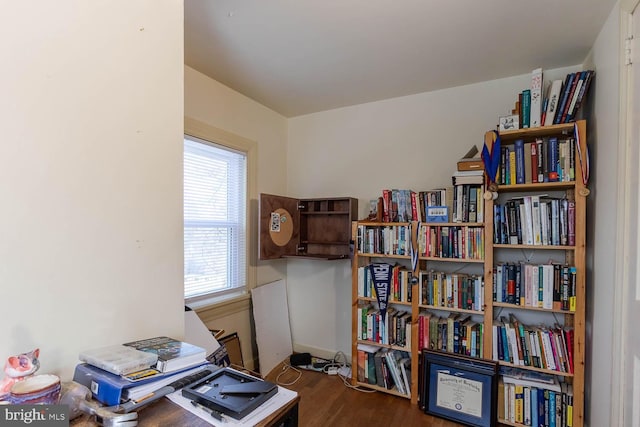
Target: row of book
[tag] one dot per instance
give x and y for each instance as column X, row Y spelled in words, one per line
column 546, row 159
column 538, row 346
column 463, row 201
column 461, row 242
column 454, row 334
column 386, row 368
column 393, row 329
column 559, row 103
column 468, row 204
column 408, row 205
column 547, row 286
column 565, row 97
column 535, row 404
column 535, row 220
column 451, row 290
column 400, row 290
column 387, row 240
column 436, row 241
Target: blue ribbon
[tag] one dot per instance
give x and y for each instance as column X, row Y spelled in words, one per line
column 492, row 160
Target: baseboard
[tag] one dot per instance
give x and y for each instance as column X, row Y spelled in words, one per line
column 322, row 353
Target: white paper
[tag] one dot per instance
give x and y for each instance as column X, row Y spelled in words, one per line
column 459, row 394
column 280, row 399
column 196, row 333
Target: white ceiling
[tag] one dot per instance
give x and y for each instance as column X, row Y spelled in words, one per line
column 303, row 56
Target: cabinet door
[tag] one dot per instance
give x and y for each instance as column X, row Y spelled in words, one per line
column 279, row 226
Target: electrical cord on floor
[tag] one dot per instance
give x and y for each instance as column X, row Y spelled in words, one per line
column 338, row 362
column 345, row 378
column 286, row 369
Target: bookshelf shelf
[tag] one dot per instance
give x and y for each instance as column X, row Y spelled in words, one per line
column 382, row 389
column 391, row 301
column 377, row 344
column 566, row 280
column 551, row 186
column 449, row 309
column 524, row 307
column 535, row 247
column 326, row 213
column 458, row 260
column 533, row 368
column 374, row 255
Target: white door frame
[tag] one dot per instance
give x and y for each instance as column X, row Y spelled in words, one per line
column 626, row 197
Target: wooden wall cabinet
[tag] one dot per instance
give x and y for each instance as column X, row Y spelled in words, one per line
column 306, row 228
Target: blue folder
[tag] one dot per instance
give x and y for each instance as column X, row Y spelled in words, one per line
column 108, row 388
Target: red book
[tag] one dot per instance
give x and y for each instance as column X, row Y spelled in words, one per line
column 386, row 201
column 534, row 162
column 414, row 207
column 568, row 337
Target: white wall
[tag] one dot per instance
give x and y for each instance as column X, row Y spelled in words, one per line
column 90, row 176
column 212, row 103
column 408, row 142
column 603, row 134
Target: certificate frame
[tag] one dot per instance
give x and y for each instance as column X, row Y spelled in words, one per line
column 460, row 388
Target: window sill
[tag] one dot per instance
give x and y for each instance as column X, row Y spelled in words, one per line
column 216, row 307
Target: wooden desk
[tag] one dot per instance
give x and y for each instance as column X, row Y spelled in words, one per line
column 165, row 413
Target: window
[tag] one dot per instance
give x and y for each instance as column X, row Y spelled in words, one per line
column 215, row 219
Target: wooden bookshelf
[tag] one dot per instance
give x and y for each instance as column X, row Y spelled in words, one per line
column 364, row 256
column 490, row 312
column 573, row 255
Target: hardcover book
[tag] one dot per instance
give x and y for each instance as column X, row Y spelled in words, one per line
column 552, row 104
column 536, row 98
column 172, row 354
column 526, row 108
column 563, row 99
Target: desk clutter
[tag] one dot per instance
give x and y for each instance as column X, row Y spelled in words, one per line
column 112, row 383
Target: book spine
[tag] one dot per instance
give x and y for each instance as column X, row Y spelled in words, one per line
column 519, row 404
column 553, row 159
column 528, row 169
column 565, row 95
column 571, row 223
column 414, row 206
column 536, row 98
column 520, row 163
column 534, row 161
column 574, row 84
column 553, row 100
column 386, row 203
column 576, row 95
column 526, row 108
column 583, row 92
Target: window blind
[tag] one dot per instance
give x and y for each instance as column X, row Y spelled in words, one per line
column 215, row 193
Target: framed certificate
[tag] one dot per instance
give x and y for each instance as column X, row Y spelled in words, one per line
column 460, row 388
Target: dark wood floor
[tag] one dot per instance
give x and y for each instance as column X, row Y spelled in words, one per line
column 326, row 401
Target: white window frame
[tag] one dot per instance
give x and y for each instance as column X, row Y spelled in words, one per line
column 226, row 302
